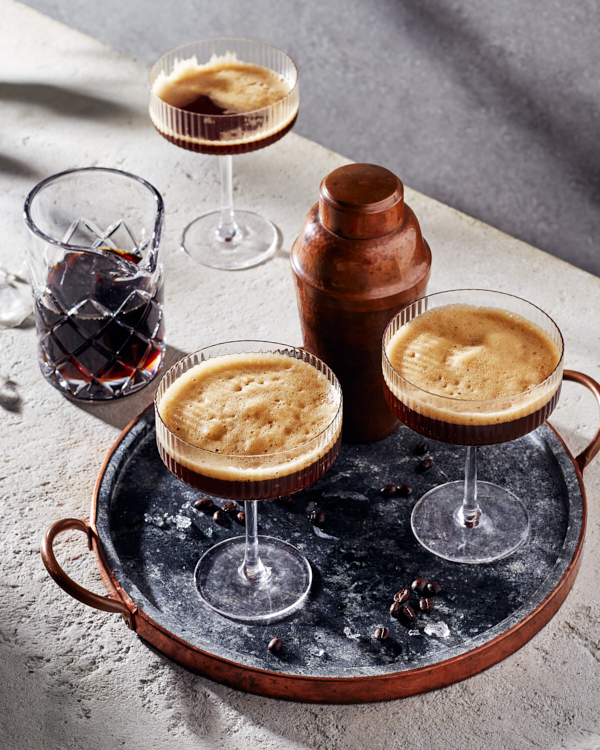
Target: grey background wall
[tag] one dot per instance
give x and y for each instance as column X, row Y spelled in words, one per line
column 490, row 107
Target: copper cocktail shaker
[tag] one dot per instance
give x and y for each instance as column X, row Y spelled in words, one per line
column 359, row 259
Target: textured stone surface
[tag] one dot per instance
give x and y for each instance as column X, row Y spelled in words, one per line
column 363, row 552
column 73, row 677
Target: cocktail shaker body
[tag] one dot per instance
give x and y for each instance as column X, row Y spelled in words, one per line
column 360, row 258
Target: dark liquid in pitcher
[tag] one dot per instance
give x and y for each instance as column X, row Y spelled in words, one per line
column 100, row 330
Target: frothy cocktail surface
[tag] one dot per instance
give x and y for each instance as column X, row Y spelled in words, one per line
column 233, row 85
column 473, row 354
column 265, row 407
column 224, row 86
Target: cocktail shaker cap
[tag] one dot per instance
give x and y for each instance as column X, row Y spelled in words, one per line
column 361, row 201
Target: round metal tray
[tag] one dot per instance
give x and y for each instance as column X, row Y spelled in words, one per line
column 147, row 537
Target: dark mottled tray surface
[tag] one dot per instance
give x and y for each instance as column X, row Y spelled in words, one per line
column 152, row 538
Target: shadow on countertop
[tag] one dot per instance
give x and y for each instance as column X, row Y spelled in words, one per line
column 65, row 101
column 120, row 412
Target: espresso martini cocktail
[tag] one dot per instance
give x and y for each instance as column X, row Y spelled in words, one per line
column 232, row 98
column 224, row 97
column 472, row 367
column 250, row 421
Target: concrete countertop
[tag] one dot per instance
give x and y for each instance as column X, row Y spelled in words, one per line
column 71, row 676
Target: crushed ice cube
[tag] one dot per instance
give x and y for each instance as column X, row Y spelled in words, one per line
column 415, row 631
column 182, row 523
column 349, row 634
column 15, row 302
column 155, row 519
column 439, row 629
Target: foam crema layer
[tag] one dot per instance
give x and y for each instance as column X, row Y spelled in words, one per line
column 471, row 365
column 249, row 417
column 256, row 99
column 232, row 84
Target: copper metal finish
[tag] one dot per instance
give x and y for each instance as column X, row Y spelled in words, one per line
column 361, row 201
column 359, row 259
column 318, row 689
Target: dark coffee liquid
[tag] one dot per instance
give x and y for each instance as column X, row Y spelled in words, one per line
column 212, row 133
column 464, row 434
column 100, row 332
column 204, row 105
column 265, row 489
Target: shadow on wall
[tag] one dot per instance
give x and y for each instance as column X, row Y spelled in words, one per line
column 563, row 118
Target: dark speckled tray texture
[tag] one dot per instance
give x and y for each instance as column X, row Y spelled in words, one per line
column 152, row 538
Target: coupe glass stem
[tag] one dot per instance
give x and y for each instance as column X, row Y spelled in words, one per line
column 227, row 226
column 470, row 512
column 252, row 568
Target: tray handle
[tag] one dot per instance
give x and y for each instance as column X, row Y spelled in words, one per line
column 586, row 455
column 104, row 603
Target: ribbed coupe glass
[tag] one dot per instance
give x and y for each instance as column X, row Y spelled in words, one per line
column 471, row 521
column 222, row 239
column 252, row 578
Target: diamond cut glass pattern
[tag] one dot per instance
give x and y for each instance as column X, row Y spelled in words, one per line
column 97, row 281
column 101, row 353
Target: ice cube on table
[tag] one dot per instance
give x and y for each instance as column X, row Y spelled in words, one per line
column 15, row 302
column 439, row 629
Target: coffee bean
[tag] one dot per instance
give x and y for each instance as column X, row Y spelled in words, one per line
column 205, row 504
column 433, row 588
column 219, row 517
column 388, row 491
column 241, row 517
column 275, row 645
column 425, row 605
column 402, row 595
column 424, row 465
column 422, row 448
column 317, row 517
column 404, row 490
column 395, row 610
column 407, row 614
column 230, row 507
column 418, row 585
column 381, row 634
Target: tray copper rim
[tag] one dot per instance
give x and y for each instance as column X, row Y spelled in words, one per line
column 346, row 689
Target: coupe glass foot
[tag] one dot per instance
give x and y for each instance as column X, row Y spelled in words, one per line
column 282, row 589
column 438, row 524
column 255, row 241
